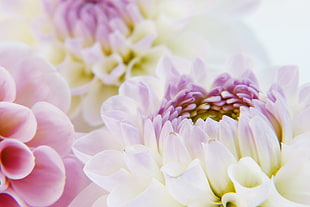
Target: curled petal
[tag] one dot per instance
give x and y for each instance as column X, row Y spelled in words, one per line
column 17, row 161
column 233, row 199
column 10, row 199
column 250, row 181
column 276, row 199
column 54, row 128
column 7, row 86
column 47, row 179
column 17, row 122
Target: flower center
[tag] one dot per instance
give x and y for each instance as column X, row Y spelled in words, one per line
column 225, row 98
column 91, row 20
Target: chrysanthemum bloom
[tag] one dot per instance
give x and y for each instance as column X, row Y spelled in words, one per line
column 97, row 44
column 191, row 138
column 36, row 163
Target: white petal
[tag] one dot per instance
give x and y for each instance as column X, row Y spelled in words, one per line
column 189, row 186
column 249, row 181
column 140, row 162
column 233, row 199
column 94, row 142
column 218, row 159
column 175, row 150
column 107, row 169
column 292, row 181
column 287, row 78
column 131, row 194
column 91, row 104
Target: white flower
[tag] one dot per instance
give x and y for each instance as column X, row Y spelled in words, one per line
column 179, row 140
column 97, row 44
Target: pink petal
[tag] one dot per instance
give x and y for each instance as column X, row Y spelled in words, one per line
column 46, row 182
column 76, row 181
column 7, row 86
column 88, row 196
column 11, row 52
column 17, row 161
column 17, row 122
column 54, row 128
column 36, row 79
column 7, row 200
column 48, row 85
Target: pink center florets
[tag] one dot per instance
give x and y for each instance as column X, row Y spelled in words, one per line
column 91, row 20
column 193, row 102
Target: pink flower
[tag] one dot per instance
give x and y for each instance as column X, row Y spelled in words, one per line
column 35, row 135
column 193, row 137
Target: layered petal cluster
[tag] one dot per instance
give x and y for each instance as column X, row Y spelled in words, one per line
column 35, row 133
column 192, row 137
column 97, row 44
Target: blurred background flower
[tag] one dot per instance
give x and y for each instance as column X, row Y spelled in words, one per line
column 36, row 162
column 97, row 44
column 194, row 137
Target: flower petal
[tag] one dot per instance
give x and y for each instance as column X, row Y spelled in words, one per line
column 47, row 179
column 17, row 161
column 107, row 169
column 88, row 197
column 94, row 142
column 217, row 166
column 76, row 181
column 190, row 186
column 92, row 102
column 36, row 79
column 17, row 122
column 54, row 128
column 8, row 88
column 249, row 181
column 9, row 199
column 297, row 189
column 154, row 194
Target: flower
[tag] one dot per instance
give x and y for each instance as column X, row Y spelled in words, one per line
column 193, row 137
column 35, row 133
column 97, row 44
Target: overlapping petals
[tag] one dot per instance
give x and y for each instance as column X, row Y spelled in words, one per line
column 96, row 45
column 199, row 142
column 35, row 135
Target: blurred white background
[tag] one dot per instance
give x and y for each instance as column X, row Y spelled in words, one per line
column 283, row 27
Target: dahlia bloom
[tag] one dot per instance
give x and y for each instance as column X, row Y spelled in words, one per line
column 35, row 133
column 97, row 44
column 193, row 137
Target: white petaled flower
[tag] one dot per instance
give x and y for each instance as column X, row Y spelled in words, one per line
column 187, row 137
column 97, row 44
